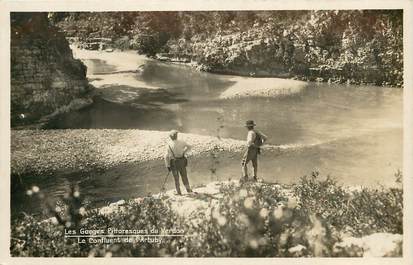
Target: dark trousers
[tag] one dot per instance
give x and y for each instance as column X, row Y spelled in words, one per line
column 178, row 167
column 251, row 154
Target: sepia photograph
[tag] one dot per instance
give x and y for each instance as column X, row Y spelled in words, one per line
column 227, row 133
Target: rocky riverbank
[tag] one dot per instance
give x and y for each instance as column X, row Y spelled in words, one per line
column 46, row 151
column 247, row 87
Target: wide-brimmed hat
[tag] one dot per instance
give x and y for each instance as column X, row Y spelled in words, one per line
column 250, row 123
column 173, row 133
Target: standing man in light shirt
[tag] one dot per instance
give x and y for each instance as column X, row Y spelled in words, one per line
column 255, row 139
column 175, row 160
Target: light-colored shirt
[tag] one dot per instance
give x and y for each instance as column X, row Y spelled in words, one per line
column 179, row 149
column 251, row 137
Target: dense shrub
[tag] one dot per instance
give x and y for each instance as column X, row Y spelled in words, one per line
column 252, row 219
column 361, row 211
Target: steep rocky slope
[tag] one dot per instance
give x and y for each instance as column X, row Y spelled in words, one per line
column 339, row 46
column 45, row 78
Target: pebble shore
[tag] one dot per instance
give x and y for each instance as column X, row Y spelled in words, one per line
column 40, row 151
column 245, row 87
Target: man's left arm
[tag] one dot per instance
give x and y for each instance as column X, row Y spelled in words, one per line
column 263, row 137
column 187, row 148
column 167, row 158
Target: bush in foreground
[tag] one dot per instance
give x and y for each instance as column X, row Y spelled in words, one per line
column 254, row 219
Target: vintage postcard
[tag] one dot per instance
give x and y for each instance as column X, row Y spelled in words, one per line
column 206, row 131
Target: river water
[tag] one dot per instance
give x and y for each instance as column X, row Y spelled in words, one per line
column 353, row 133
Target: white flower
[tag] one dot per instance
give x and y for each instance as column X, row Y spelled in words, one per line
column 263, row 212
column 35, row 189
column 243, row 219
column 253, row 244
column 54, row 220
column 58, row 209
column 29, row 192
column 76, row 194
column 278, row 213
column 222, row 220
column 249, row 202
column 82, row 211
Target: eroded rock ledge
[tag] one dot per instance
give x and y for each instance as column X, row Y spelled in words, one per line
column 45, row 78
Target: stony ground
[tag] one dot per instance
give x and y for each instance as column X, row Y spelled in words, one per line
column 49, row 151
column 40, row 151
column 262, row 87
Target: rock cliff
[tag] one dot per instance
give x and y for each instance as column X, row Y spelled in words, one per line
column 45, row 78
column 335, row 46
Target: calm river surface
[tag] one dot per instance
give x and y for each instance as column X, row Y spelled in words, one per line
column 353, row 133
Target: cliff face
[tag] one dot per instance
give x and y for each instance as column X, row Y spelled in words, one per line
column 45, row 78
column 345, row 46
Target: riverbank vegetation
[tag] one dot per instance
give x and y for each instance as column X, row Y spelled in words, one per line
column 314, row 217
column 340, row 46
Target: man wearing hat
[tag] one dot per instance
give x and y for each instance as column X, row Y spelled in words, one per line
column 175, row 160
column 254, row 141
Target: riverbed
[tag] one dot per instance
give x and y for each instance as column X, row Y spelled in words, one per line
column 353, row 133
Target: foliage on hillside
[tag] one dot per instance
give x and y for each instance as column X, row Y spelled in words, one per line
column 254, row 219
column 353, row 46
